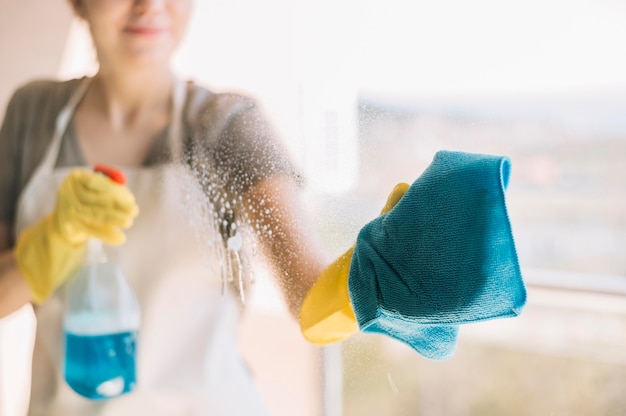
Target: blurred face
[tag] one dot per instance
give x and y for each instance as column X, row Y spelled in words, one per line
column 135, row 32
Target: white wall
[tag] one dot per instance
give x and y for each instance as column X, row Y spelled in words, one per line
column 32, row 40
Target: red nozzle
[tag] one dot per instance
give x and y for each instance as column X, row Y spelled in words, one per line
column 113, row 174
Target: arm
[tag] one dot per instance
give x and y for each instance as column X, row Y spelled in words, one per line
column 251, row 162
column 292, row 247
column 14, row 292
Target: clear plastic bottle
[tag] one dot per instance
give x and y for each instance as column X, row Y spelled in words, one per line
column 101, row 325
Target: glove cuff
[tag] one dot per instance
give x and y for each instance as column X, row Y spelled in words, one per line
column 45, row 258
column 326, row 315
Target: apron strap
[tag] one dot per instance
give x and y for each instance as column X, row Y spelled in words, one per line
column 62, row 121
column 176, row 131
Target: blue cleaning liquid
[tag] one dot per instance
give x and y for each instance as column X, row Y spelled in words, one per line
column 100, row 366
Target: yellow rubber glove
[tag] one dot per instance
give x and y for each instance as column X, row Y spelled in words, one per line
column 88, row 204
column 326, row 315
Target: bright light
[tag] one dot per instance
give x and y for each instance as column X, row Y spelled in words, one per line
column 492, row 46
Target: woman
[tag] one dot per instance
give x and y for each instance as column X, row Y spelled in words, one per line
column 134, row 114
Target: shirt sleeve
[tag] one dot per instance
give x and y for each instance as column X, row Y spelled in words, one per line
column 9, row 160
column 235, row 146
column 25, row 134
column 250, row 150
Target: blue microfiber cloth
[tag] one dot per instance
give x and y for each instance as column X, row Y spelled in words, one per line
column 443, row 256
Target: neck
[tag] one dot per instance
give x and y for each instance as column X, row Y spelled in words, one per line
column 123, row 96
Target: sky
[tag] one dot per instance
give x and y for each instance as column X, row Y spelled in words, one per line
column 491, row 46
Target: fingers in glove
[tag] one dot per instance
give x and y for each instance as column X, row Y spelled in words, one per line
column 77, row 232
column 109, row 235
column 95, row 189
column 97, row 216
column 106, row 202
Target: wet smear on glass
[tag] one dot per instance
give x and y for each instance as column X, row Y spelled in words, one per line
column 394, row 388
column 213, row 185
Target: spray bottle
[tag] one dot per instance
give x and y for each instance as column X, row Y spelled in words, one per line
column 101, row 323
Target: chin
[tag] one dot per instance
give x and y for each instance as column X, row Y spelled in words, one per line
column 150, row 56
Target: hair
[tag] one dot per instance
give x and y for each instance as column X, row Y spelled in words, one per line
column 76, row 6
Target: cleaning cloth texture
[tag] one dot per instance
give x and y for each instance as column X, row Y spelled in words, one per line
column 443, row 256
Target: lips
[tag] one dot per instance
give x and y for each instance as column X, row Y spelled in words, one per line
column 145, row 30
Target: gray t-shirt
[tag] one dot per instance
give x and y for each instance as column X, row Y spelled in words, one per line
column 227, row 134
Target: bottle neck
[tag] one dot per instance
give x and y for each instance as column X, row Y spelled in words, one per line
column 95, row 251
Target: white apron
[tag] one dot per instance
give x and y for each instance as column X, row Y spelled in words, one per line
column 187, row 357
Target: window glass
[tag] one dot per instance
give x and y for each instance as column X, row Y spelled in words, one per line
column 365, row 92
column 540, row 82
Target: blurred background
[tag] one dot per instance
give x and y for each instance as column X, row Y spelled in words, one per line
column 364, row 93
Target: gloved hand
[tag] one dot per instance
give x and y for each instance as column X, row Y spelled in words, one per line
column 89, row 204
column 326, row 315
column 442, row 257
